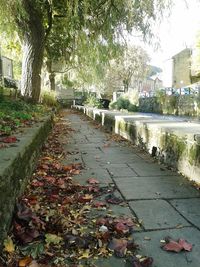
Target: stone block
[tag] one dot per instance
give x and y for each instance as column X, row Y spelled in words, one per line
column 16, row 166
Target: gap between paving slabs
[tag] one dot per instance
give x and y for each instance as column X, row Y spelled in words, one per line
column 58, row 222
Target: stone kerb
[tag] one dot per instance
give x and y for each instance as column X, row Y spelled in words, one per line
column 174, row 143
column 16, row 166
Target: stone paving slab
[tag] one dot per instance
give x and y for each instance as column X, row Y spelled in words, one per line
column 157, row 214
column 111, row 261
column 96, row 139
column 98, row 173
column 82, row 146
column 73, row 159
column 92, row 162
column 189, row 208
column 119, row 149
column 169, row 259
column 117, row 170
column 118, row 158
column 79, row 141
column 149, row 169
column 112, row 158
column 155, row 187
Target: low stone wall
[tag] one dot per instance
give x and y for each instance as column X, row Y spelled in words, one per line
column 174, row 143
column 17, row 163
column 188, row 105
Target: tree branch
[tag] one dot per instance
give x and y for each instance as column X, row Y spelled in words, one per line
column 49, row 17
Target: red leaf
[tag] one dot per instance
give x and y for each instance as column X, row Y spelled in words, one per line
column 10, row 139
column 121, row 228
column 44, row 167
column 50, row 179
column 101, row 221
column 177, row 246
column 119, row 246
column 127, row 221
column 146, row 262
column 25, row 238
column 54, row 197
column 85, row 198
column 32, row 200
column 105, row 236
column 37, row 183
column 67, row 168
column 92, row 181
column 113, row 199
column 173, row 246
column 24, row 213
column 93, row 189
column 57, row 166
column 99, row 204
column 185, row 245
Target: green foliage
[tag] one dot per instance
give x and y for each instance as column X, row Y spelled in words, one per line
column 1, row 93
column 123, row 103
column 34, row 249
column 68, row 30
column 92, row 101
column 161, row 96
column 132, row 108
column 169, row 103
column 67, row 82
column 15, row 113
column 48, row 98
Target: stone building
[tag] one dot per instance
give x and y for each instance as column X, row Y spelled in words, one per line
column 181, row 68
column 153, row 81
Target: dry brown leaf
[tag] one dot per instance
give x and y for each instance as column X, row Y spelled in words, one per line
column 25, row 261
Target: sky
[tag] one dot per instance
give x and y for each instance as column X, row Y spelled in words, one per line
column 175, row 33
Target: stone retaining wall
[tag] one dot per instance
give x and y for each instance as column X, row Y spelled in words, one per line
column 170, row 141
column 17, row 163
column 188, row 105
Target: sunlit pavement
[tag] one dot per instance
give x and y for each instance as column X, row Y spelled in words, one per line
column 164, row 202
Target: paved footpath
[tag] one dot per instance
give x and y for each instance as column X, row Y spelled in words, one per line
column 165, row 203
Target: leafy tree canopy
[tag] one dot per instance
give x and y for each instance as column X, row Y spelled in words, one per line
column 62, row 27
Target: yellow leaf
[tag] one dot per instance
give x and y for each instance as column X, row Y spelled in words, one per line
column 85, row 255
column 8, row 245
column 52, row 238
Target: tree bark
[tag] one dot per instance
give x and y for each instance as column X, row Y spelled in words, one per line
column 51, row 75
column 34, row 38
column 52, row 81
column 33, row 51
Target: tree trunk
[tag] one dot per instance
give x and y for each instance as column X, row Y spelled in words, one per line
column 34, row 38
column 33, row 51
column 126, row 85
column 51, row 75
column 52, row 81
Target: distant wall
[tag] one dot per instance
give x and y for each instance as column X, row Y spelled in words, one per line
column 188, row 105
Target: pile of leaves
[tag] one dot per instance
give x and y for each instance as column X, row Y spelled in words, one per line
column 58, row 222
column 15, row 114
